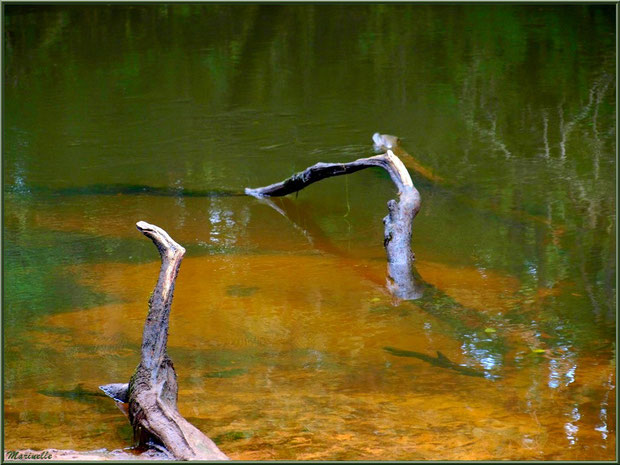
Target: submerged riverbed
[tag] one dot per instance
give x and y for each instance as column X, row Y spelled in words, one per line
column 165, row 113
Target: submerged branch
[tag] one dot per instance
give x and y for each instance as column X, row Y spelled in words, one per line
column 314, row 173
column 398, row 222
column 441, row 361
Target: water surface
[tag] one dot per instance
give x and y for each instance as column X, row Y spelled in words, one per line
column 164, row 113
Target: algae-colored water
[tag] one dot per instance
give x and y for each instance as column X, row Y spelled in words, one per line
column 164, row 113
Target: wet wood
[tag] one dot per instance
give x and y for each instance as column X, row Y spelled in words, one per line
column 397, row 224
column 390, row 142
column 151, row 393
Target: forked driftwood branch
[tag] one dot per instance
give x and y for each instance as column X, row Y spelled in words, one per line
column 150, row 397
column 398, row 223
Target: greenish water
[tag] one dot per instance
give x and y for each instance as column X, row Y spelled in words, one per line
column 164, row 113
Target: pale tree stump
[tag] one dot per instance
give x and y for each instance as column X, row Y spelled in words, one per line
column 150, row 397
column 398, row 223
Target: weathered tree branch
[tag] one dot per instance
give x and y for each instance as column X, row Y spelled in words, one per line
column 398, row 222
column 152, row 391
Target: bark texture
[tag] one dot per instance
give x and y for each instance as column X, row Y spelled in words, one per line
column 398, row 223
column 152, row 391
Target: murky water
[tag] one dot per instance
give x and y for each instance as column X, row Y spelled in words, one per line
column 281, row 315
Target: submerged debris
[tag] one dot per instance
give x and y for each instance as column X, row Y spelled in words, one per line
column 441, row 361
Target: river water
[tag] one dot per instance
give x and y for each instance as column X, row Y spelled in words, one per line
column 281, row 316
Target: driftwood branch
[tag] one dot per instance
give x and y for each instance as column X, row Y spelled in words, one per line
column 150, row 397
column 398, row 222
